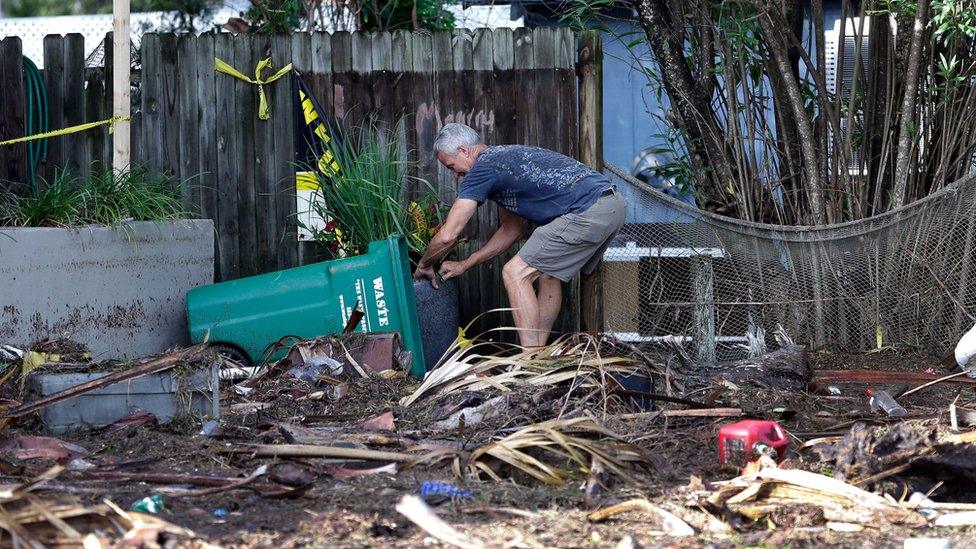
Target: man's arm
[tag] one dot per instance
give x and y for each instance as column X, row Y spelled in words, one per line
column 461, row 212
column 509, row 230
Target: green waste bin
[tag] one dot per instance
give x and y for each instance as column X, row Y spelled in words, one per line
column 252, row 313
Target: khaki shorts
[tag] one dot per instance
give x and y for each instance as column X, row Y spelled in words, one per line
column 576, row 241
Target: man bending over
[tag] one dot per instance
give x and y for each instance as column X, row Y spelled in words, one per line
column 577, row 211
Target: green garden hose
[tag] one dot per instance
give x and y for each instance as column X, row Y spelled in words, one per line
column 37, row 117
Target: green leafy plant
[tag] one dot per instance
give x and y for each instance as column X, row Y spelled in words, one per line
column 57, row 204
column 101, row 197
column 365, row 201
column 138, row 195
column 274, row 16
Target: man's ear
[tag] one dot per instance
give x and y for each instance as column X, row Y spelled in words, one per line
column 464, row 151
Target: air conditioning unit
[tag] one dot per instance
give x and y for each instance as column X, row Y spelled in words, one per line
column 840, row 79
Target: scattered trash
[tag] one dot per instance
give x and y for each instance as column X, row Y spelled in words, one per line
column 964, row 518
column 210, row 428
column 220, row 512
column 315, row 366
column 292, row 474
column 11, row 353
column 134, row 421
column 32, row 447
column 745, row 441
column 446, row 489
column 881, row 400
column 670, row 523
column 927, row 543
column 758, row 494
column 420, row 514
column 78, row 464
column 833, row 389
column 337, row 471
column 382, row 422
column 921, row 503
column 150, row 504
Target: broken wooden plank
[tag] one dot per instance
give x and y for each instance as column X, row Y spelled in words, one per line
column 868, row 377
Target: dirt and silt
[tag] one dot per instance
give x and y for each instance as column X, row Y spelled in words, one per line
column 330, row 502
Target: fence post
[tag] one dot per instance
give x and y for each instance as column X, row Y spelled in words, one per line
column 589, row 68
column 121, row 157
column 704, row 287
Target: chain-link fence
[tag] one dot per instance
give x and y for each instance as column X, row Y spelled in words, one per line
column 902, row 279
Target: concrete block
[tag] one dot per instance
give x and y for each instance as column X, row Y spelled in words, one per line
column 161, row 394
column 119, row 290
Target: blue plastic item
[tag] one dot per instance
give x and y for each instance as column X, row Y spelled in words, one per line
column 446, row 489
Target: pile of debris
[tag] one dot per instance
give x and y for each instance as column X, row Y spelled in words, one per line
column 580, row 414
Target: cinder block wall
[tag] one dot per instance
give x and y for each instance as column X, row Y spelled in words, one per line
column 119, row 290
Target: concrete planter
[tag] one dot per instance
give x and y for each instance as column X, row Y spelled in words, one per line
column 438, row 313
column 167, row 396
column 119, row 290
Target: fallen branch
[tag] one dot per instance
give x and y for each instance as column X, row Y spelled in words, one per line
column 156, row 478
column 308, row 450
column 331, row 436
column 238, row 483
column 155, row 365
column 694, row 412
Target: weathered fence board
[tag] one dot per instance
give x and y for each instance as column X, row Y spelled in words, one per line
column 513, row 86
column 228, row 163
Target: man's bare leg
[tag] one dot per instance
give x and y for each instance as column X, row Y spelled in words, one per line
column 550, row 299
column 518, row 277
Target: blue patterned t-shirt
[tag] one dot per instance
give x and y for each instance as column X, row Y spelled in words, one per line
column 536, row 184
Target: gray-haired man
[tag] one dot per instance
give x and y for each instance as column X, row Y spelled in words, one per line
column 578, row 211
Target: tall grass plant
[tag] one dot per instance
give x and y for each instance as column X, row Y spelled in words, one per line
column 100, row 197
column 366, row 200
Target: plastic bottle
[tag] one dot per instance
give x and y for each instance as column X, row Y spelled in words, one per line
column 880, row 399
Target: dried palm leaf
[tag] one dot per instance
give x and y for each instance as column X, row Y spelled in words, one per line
column 553, row 444
column 572, row 358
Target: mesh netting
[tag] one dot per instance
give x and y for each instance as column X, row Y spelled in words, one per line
column 901, row 279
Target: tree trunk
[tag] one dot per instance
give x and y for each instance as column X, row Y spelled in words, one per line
column 807, row 142
column 705, row 139
column 912, row 73
column 820, row 130
column 874, row 111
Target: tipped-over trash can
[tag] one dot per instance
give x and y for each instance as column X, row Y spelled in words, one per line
column 249, row 315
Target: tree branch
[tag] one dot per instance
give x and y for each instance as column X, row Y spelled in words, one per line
column 903, row 162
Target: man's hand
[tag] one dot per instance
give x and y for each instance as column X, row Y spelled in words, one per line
column 426, row 273
column 451, row 269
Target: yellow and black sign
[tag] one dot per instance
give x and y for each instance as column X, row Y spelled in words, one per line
column 314, row 138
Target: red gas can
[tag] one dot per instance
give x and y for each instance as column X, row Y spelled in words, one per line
column 744, row 441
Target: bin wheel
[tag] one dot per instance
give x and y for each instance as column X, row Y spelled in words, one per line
column 233, row 353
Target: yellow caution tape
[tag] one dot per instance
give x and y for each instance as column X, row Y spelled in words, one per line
column 66, row 131
column 264, row 112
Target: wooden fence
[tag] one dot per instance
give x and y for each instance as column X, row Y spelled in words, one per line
column 514, row 86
